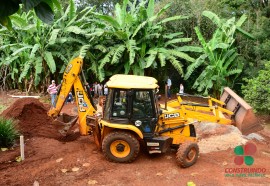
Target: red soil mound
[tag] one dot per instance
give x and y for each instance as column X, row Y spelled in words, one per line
column 32, row 118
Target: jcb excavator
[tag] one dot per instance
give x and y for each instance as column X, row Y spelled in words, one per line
column 132, row 116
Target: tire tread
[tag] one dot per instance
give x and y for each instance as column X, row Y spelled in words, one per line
column 182, row 152
column 122, row 135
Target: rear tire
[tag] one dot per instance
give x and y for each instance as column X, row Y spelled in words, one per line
column 187, row 154
column 120, row 147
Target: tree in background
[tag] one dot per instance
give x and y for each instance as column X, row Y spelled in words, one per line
column 134, row 41
column 253, row 53
column 219, row 56
column 102, row 6
column 257, row 90
column 43, row 9
column 193, row 10
column 34, row 50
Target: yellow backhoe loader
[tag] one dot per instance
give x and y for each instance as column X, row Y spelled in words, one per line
column 132, row 115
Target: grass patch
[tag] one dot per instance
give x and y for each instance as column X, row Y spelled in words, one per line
column 2, row 108
column 8, row 132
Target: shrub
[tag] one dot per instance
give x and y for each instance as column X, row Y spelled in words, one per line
column 8, row 132
column 257, row 91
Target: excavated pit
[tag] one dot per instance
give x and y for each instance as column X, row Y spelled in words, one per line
column 33, row 121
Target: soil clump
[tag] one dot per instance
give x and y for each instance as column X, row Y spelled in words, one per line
column 31, row 117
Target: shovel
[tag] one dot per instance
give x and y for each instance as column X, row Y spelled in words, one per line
column 244, row 116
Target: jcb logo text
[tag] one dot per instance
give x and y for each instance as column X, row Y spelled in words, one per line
column 80, row 101
column 172, row 115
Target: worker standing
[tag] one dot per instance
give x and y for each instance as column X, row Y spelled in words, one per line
column 52, row 90
column 95, row 86
column 169, row 84
column 106, row 90
column 100, row 89
column 181, row 90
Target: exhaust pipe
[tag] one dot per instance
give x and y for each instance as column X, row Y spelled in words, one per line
column 244, row 116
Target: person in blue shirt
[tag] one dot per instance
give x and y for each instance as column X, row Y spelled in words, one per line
column 69, row 98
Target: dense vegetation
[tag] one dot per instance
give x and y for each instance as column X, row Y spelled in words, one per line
column 257, row 90
column 8, row 132
column 206, row 45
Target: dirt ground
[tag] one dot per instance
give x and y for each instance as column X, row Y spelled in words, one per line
column 74, row 160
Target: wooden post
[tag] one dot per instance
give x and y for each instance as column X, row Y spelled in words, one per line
column 22, row 147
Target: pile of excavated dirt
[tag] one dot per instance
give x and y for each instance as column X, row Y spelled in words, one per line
column 32, row 119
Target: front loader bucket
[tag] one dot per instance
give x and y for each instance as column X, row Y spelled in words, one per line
column 64, row 122
column 244, row 117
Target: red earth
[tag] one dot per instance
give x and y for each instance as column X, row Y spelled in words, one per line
column 74, row 160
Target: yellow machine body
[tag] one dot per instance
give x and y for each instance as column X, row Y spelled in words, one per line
column 131, row 113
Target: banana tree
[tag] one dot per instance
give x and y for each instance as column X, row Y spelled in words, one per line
column 219, row 56
column 43, row 9
column 134, row 40
column 38, row 50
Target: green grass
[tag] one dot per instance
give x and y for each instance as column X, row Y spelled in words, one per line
column 2, row 108
column 8, row 132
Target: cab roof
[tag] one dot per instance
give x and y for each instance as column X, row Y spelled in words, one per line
column 132, row 82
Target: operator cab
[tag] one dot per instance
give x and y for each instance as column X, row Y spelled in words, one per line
column 135, row 107
column 131, row 100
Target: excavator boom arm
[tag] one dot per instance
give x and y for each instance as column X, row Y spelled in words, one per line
column 70, row 75
column 84, row 104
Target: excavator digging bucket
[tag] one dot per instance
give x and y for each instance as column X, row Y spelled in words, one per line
column 243, row 117
column 64, row 123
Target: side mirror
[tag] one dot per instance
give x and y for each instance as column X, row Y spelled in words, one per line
column 160, row 112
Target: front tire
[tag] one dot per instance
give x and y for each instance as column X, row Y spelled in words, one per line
column 187, row 154
column 120, row 147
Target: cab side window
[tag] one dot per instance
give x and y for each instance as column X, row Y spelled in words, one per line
column 142, row 107
column 119, row 104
